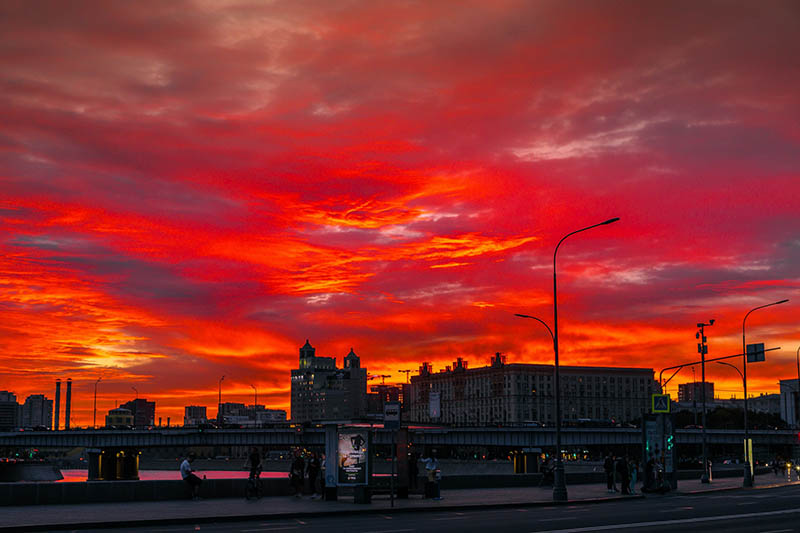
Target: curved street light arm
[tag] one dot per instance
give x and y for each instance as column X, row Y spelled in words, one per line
column 609, row 221
column 542, row 322
column 733, row 367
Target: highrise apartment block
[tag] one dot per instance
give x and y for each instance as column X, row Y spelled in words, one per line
column 523, row 394
column 693, row 391
column 9, row 411
column 37, row 412
column 320, row 391
column 194, row 415
column 144, row 412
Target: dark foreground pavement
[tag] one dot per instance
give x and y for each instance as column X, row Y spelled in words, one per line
column 515, row 509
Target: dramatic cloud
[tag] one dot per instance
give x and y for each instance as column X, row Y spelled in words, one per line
column 191, row 189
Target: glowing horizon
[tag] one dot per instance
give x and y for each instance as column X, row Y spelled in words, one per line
column 191, row 189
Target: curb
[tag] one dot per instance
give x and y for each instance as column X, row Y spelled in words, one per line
column 303, row 514
column 737, row 487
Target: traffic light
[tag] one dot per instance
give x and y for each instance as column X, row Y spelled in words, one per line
column 670, row 441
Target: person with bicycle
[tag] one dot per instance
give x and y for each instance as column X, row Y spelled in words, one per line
column 254, row 480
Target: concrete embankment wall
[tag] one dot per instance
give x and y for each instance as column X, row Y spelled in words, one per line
column 25, row 493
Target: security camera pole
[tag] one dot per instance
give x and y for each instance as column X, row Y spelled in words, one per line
column 703, row 350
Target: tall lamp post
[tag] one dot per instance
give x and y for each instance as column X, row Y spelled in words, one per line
column 748, row 474
column 559, row 480
column 94, row 416
column 219, row 403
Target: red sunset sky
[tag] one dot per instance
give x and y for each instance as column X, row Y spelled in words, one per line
column 192, row 189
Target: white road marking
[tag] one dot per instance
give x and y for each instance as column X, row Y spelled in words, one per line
column 777, row 531
column 299, row 521
column 556, row 519
column 450, row 518
column 613, row 527
column 267, row 529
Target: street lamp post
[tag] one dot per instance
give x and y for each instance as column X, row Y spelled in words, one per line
column 219, row 403
column 748, row 474
column 94, row 416
column 559, row 480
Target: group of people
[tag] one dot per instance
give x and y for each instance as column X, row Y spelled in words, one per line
column 302, row 469
column 621, row 470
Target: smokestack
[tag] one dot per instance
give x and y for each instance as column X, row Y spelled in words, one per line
column 68, row 403
column 57, row 419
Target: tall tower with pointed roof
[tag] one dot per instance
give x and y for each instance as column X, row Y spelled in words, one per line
column 321, row 391
column 351, row 360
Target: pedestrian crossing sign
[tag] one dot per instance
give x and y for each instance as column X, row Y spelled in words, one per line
column 660, row 403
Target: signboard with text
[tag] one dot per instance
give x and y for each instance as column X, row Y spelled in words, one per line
column 435, row 404
column 352, row 456
column 391, row 415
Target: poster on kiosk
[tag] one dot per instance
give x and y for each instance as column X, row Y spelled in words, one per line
column 352, row 457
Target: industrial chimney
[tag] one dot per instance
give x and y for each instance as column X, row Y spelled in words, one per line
column 68, row 404
column 57, row 412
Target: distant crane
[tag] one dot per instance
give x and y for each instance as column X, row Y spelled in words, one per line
column 406, row 372
column 382, row 376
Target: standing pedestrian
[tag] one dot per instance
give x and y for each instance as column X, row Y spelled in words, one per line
column 413, row 471
column 297, row 473
column 622, row 474
column 434, row 475
column 649, row 474
column 313, row 472
column 633, row 467
column 608, row 466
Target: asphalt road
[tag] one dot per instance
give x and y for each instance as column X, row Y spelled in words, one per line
column 753, row 511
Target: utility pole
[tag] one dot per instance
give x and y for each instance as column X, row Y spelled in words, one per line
column 703, row 350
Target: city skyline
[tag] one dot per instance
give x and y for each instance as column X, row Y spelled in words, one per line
column 190, row 190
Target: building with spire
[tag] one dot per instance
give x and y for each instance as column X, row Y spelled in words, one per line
column 321, row 391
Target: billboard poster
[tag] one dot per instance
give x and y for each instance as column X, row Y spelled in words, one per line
column 435, row 404
column 352, row 457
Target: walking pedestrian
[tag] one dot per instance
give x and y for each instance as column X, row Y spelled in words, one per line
column 297, row 473
column 608, row 466
column 313, row 472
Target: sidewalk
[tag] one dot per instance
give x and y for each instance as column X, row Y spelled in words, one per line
column 49, row 517
column 41, row 517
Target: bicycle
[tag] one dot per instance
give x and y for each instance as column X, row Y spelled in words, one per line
column 255, row 487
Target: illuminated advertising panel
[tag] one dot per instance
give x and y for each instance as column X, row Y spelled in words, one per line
column 352, row 457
